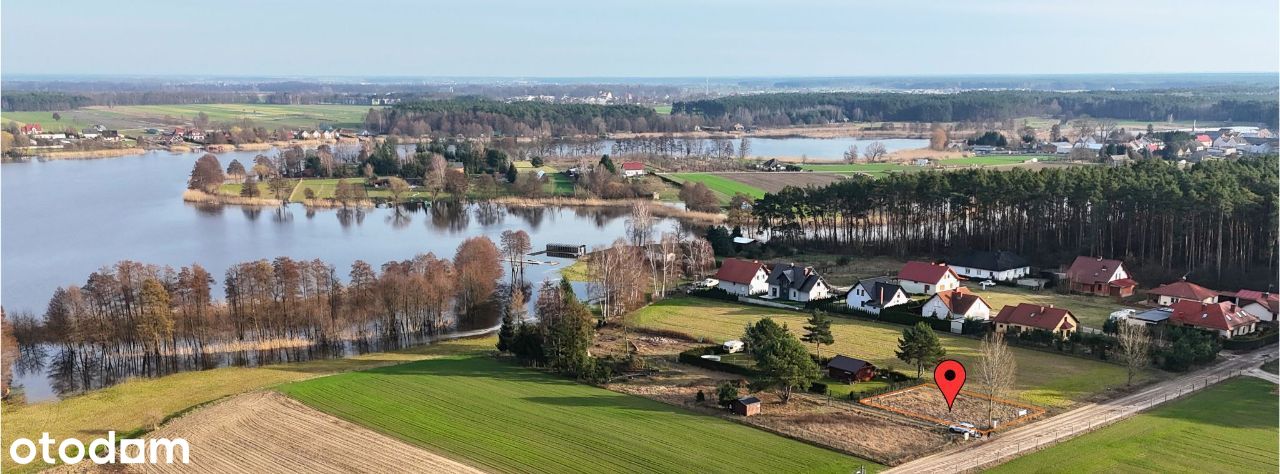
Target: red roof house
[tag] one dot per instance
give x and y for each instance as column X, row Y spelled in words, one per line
column 1168, row 294
column 743, row 277
column 1225, row 319
column 632, row 168
column 32, row 128
column 1100, row 276
column 956, row 304
column 1030, row 317
column 923, row 278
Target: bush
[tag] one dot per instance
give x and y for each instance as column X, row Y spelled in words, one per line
column 1252, row 341
column 702, row 397
column 844, row 260
column 536, row 161
column 309, row 193
column 818, row 388
column 715, row 294
column 726, row 393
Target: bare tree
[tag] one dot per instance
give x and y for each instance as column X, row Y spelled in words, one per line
column 434, row 177
column 699, row 258
column 938, row 138
column 876, row 151
column 997, row 370
column 515, row 244
column 1135, row 347
column 398, row 187
column 851, row 155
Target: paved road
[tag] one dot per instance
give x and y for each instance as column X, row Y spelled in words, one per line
column 1033, row 436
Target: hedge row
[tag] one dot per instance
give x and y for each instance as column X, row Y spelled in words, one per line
column 1268, row 336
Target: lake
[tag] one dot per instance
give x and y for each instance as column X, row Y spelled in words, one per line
column 63, row 220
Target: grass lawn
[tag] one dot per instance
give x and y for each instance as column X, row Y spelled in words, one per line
column 575, row 272
column 264, row 188
column 721, row 185
column 1230, row 427
column 1092, row 310
column 143, row 402
column 505, row 418
column 1044, row 378
column 662, row 109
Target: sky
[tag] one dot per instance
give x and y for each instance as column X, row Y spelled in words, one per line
column 653, row 38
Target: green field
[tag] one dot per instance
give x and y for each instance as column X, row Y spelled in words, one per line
column 142, row 403
column 138, row 117
column 723, row 186
column 1230, row 427
column 1044, row 378
column 505, row 418
column 662, row 109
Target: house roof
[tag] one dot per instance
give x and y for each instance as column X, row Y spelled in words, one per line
column 959, row 300
column 1250, row 295
column 1033, row 315
column 1124, row 283
column 848, row 364
column 997, row 260
column 1223, row 316
column 1092, row 270
column 925, row 272
column 1203, row 138
column 748, row 400
column 879, row 289
column 738, row 271
column 792, row 276
column 1185, row 290
column 633, row 166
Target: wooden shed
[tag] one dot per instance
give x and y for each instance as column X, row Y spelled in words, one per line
column 746, row 406
column 848, row 369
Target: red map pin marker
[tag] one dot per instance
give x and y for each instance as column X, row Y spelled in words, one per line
column 949, row 375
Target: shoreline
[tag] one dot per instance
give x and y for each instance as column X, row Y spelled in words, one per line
column 659, row 209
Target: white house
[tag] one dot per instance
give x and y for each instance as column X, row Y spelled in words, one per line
column 991, row 265
column 632, row 169
column 742, row 277
column 1168, row 294
column 922, row 278
column 794, row 283
column 873, row 294
column 1264, row 306
column 956, row 304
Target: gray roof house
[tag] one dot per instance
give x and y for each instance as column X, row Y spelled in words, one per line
column 796, row 283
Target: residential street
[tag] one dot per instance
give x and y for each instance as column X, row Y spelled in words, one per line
column 1084, row 419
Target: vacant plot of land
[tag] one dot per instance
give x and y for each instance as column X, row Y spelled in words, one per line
column 773, row 182
column 505, row 418
column 1230, row 427
column 1093, row 311
column 853, row 268
column 143, row 403
column 1044, row 379
column 925, row 402
column 267, row 431
column 723, row 186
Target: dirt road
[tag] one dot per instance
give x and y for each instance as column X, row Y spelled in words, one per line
column 1082, row 420
column 268, row 432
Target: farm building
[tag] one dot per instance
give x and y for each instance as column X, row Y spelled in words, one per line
column 566, row 250
column 1030, row 317
column 742, row 277
column 956, row 304
column 746, row 406
column 794, row 283
column 1224, row 319
column 632, row 169
column 922, row 278
column 1182, row 290
column 873, row 294
column 1100, row 276
column 849, row 370
column 996, row 265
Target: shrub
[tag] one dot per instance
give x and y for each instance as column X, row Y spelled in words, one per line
column 844, row 260
column 309, row 193
column 818, row 388
column 726, row 394
column 702, row 397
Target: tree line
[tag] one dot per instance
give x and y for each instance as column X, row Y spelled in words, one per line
column 28, row 101
column 1215, row 220
column 475, row 116
column 133, row 308
column 779, row 109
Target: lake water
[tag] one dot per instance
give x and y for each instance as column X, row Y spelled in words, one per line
column 62, row 220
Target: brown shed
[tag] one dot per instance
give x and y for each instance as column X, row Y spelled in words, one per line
column 747, row 406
